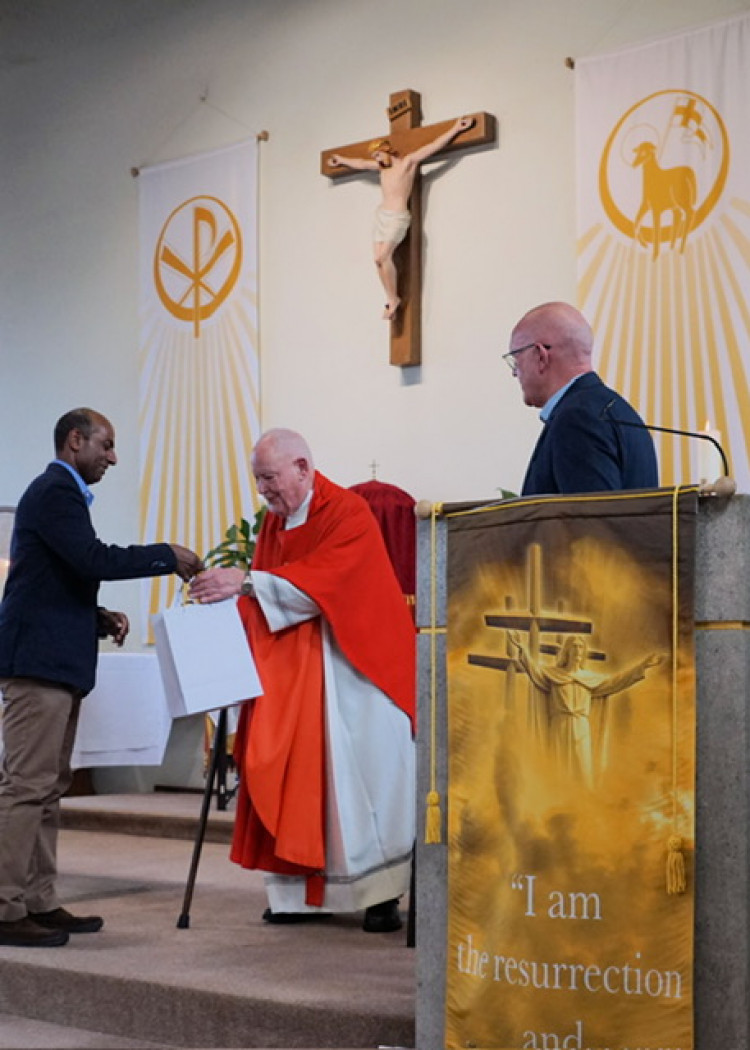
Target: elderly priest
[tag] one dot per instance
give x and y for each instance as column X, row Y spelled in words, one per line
column 326, row 754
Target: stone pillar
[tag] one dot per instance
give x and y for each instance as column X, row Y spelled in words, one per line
column 722, row 882
column 431, row 861
column 722, row 875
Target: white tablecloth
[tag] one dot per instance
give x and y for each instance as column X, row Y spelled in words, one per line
column 124, row 721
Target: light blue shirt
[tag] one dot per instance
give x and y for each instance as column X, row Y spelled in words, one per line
column 550, row 405
column 86, row 492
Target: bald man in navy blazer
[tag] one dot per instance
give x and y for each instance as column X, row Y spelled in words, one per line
column 49, row 625
column 581, row 448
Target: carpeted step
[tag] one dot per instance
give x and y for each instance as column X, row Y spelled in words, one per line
column 157, row 1012
column 228, row 980
column 174, row 815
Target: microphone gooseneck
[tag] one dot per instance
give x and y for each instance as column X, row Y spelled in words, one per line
column 605, row 413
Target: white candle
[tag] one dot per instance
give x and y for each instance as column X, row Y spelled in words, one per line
column 710, row 462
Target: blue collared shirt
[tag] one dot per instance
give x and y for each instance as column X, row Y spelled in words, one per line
column 550, row 405
column 86, row 492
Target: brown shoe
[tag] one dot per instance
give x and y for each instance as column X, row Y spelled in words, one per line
column 60, row 919
column 23, row 933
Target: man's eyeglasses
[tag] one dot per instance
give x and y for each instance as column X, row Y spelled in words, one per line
column 510, row 357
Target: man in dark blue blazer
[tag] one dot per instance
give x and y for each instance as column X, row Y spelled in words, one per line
column 592, row 440
column 49, row 626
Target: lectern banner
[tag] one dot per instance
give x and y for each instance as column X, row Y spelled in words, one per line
column 571, row 700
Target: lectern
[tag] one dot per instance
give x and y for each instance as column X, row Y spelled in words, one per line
column 718, row 871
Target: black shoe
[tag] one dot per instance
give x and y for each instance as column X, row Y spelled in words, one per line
column 23, row 933
column 382, row 918
column 60, row 919
column 281, row 918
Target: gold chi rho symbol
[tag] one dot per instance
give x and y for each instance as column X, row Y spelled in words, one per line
column 197, row 259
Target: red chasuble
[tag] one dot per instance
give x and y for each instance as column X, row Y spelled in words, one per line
column 338, row 559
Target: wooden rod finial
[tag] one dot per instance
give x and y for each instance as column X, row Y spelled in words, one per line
column 423, row 509
column 721, row 487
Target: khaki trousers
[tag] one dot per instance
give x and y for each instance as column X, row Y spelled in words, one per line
column 38, row 729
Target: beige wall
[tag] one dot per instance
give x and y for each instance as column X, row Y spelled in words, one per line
column 91, row 88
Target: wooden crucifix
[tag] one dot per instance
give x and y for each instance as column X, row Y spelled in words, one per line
column 406, row 137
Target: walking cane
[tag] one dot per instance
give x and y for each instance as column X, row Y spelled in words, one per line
column 218, row 760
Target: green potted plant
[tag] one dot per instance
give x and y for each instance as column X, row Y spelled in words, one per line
column 237, row 547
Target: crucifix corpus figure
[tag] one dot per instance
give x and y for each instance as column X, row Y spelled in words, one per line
column 396, row 156
column 392, row 217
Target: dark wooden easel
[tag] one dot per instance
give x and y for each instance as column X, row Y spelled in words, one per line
column 216, row 777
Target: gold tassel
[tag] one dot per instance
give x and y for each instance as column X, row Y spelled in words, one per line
column 676, row 881
column 432, row 818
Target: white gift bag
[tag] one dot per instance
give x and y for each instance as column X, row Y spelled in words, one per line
column 204, row 657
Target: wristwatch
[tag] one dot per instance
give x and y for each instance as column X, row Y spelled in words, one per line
column 247, row 586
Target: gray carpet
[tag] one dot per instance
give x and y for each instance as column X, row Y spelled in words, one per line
column 230, row 980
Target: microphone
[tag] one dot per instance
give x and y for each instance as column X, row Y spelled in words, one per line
column 666, row 430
